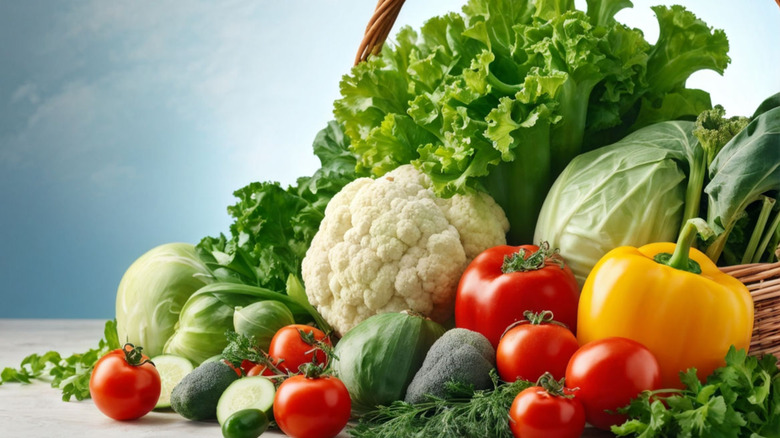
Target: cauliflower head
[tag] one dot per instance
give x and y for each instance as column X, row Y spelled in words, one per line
column 390, row 244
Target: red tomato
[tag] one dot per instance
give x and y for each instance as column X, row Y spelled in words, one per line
column 260, row 370
column 489, row 300
column 528, row 350
column 609, row 373
column 289, row 347
column 307, row 407
column 238, row 370
column 536, row 413
column 124, row 385
column 247, row 365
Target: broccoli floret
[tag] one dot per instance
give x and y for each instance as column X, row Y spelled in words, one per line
column 461, row 355
column 714, row 130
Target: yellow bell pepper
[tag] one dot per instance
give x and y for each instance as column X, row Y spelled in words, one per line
column 679, row 305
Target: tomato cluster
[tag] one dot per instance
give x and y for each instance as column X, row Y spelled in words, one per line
column 524, row 300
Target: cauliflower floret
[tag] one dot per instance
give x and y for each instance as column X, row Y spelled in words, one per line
column 390, row 244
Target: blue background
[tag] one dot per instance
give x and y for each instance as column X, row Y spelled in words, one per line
column 128, row 124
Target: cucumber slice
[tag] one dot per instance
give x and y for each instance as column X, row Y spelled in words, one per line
column 255, row 392
column 171, row 369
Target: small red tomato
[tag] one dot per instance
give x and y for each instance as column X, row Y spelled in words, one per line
column 294, row 345
column 546, row 412
column 538, row 345
column 247, row 365
column 260, row 370
column 609, row 373
column 124, row 384
column 504, row 281
column 312, row 407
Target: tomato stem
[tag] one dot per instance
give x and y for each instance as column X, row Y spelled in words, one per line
column 518, row 262
column 554, row 387
column 134, row 355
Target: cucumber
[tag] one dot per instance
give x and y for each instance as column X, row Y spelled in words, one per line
column 256, row 392
column 171, row 369
column 246, row 423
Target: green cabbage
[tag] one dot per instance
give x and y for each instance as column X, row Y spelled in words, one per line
column 261, row 321
column 152, row 292
column 209, row 313
column 629, row 193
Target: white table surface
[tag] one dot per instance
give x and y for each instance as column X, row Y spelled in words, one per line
column 37, row 409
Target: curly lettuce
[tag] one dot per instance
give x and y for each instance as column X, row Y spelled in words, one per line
column 503, row 95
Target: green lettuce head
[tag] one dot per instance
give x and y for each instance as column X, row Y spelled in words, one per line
column 152, row 292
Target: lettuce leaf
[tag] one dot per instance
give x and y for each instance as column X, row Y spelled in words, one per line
column 502, row 96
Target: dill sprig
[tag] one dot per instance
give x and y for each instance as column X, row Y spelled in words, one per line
column 463, row 412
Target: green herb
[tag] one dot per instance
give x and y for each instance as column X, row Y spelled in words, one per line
column 463, row 412
column 70, row 374
column 741, row 399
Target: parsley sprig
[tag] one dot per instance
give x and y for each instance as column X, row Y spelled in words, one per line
column 741, row 399
column 70, row 374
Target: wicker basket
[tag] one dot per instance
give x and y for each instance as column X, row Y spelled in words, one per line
column 762, row 279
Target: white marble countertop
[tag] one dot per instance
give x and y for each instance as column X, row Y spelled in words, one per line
column 37, row 410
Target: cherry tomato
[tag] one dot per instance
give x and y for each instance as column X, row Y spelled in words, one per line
column 124, row 384
column 238, row 369
column 306, row 407
column 289, row 347
column 492, row 294
column 539, row 345
column 260, row 370
column 247, row 365
column 540, row 413
column 609, row 373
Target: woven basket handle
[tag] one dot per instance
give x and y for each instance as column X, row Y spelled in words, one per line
column 379, row 27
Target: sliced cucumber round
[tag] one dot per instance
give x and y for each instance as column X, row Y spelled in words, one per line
column 171, row 369
column 255, row 392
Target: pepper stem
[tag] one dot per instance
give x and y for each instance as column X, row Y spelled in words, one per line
column 680, row 259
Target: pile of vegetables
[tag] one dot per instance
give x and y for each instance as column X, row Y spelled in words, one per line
column 484, row 251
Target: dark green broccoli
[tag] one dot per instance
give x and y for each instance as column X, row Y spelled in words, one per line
column 460, row 355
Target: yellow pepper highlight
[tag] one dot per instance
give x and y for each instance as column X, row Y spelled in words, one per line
column 686, row 319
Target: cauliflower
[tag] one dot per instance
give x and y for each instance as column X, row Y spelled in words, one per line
column 390, row 244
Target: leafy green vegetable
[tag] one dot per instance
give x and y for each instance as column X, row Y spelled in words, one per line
column 273, row 226
column 464, row 412
column 70, row 374
column 741, row 399
column 629, row 193
column 746, row 170
column 208, row 314
column 152, row 292
column 504, row 95
column 261, row 320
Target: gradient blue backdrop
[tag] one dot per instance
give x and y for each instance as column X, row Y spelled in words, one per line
column 128, row 124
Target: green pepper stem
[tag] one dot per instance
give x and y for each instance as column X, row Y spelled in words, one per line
column 680, row 259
